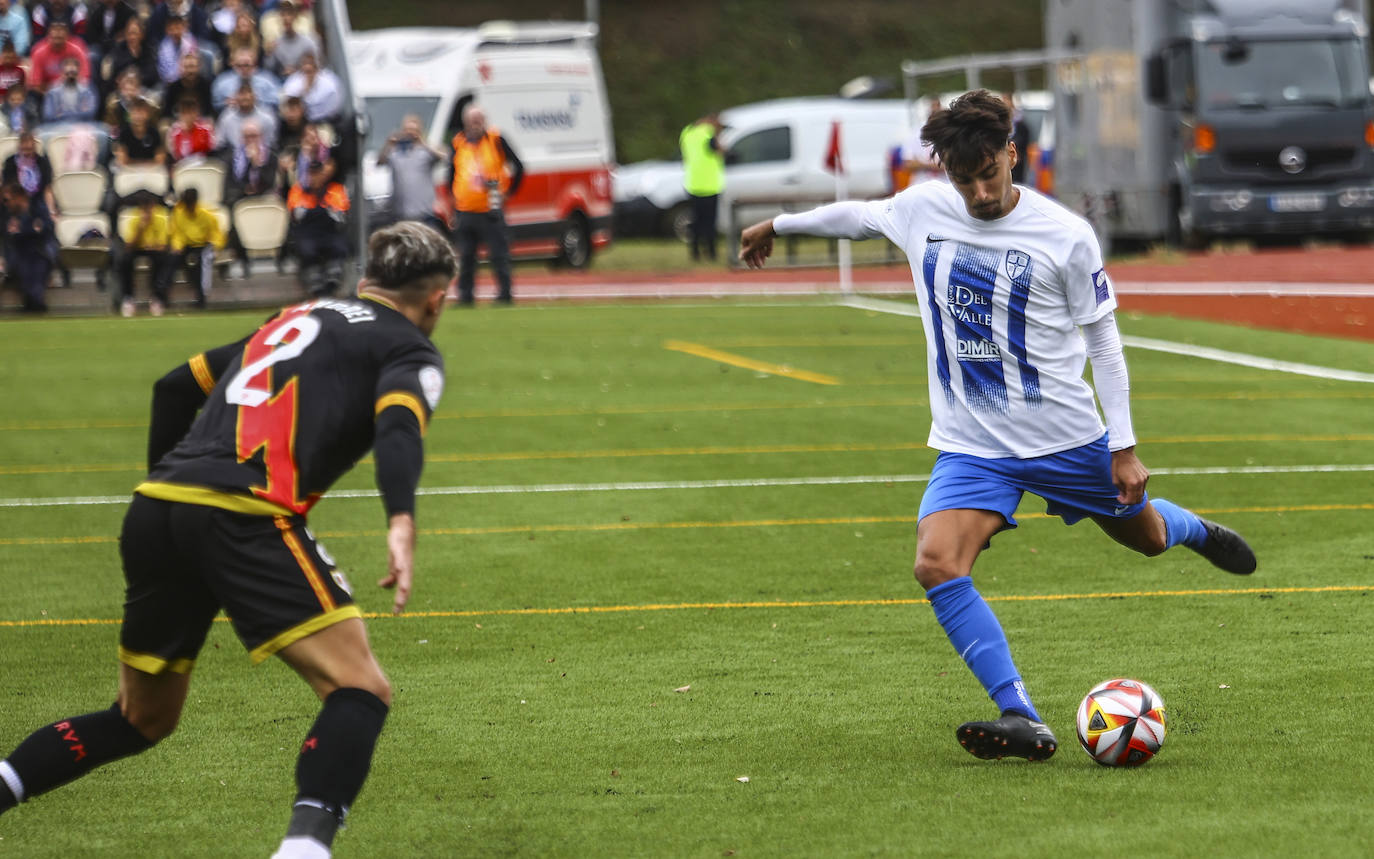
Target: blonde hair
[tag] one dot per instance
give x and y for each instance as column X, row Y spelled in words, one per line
column 406, row 255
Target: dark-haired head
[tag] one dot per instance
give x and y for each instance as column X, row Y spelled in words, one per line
column 975, row 127
column 972, row 139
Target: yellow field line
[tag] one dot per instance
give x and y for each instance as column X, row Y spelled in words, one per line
column 590, row 528
column 880, row 603
column 749, row 363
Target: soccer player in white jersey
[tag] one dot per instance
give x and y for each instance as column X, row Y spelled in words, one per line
column 1006, row 279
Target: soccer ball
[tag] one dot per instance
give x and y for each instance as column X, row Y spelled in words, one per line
column 1121, row 723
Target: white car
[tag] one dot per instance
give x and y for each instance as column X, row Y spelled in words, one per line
column 775, row 161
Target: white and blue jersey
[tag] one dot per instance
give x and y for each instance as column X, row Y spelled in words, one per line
column 1001, row 302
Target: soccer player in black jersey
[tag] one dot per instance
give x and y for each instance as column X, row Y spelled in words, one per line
column 245, row 438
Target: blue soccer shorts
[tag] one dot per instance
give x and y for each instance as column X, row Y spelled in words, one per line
column 1075, row 483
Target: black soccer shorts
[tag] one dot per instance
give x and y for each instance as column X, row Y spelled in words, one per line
column 184, row 562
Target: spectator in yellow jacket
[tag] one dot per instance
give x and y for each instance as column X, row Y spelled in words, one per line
column 144, row 235
column 196, row 236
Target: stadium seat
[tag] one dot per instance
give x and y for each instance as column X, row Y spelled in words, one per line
column 8, row 146
column 130, row 179
column 206, row 175
column 55, row 148
column 222, row 215
column 83, row 240
column 261, row 224
column 77, row 231
column 79, row 192
column 270, row 28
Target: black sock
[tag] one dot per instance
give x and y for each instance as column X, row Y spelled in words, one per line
column 7, row 798
column 334, row 761
column 66, row 750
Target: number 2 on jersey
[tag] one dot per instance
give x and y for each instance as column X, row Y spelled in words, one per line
column 267, row 422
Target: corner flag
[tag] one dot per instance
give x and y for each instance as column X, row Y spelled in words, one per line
column 833, row 162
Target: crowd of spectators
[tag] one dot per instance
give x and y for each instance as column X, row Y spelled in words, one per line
column 146, row 88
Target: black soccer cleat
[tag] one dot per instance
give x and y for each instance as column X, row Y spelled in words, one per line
column 1011, row 736
column 1227, row 549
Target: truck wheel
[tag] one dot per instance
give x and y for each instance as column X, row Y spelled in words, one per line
column 678, row 222
column 575, row 242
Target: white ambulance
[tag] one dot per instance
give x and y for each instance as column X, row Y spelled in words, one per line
column 541, row 87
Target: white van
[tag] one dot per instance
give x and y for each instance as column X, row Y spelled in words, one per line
column 776, row 155
column 540, row 85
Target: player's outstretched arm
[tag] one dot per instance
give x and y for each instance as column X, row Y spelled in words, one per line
column 848, row 219
column 178, row 396
column 400, row 559
column 756, row 243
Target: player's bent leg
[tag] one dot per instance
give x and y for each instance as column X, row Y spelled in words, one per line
column 337, row 753
column 1145, row 532
column 147, row 711
column 152, row 703
column 1163, row 524
column 338, row 657
column 947, row 545
column 949, row 541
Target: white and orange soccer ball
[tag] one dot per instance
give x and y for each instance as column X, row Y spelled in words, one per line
column 1121, row 723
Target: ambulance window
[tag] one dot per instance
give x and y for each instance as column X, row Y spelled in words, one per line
column 770, row 144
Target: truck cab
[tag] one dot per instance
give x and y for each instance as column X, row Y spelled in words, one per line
column 1272, row 125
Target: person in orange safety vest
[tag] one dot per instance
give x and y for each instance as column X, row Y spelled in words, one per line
column 318, row 209
column 485, row 172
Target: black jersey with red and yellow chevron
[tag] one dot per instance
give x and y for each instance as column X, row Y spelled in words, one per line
column 297, row 405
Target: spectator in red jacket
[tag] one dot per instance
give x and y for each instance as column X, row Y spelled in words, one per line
column 191, row 134
column 47, row 57
column 45, row 14
column 11, row 70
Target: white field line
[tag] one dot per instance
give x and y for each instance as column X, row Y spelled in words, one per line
column 1186, row 349
column 748, row 483
column 1271, row 290
column 812, row 284
column 1244, row 360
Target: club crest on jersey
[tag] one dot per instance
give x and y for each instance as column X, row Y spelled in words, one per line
column 432, row 383
column 1016, row 263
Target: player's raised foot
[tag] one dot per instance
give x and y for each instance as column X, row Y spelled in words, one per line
column 1011, row 736
column 1227, row 549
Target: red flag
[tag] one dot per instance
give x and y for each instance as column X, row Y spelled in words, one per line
column 833, row 162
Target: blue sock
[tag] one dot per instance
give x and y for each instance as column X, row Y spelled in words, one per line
column 1180, row 526
column 978, row 639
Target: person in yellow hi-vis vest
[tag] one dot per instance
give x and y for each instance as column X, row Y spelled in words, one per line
column 486, row 171
column 143, row 235
column 703, row 177
column 196, row 235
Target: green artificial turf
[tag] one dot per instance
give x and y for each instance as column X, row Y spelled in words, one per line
column 592, row 669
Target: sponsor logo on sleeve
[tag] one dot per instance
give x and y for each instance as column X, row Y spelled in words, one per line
column 432, row 383
column 1102, row 287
